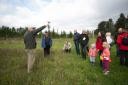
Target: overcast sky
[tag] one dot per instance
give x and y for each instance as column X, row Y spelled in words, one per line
column 63, row 14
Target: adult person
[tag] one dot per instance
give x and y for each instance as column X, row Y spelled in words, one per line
column 87, row 33
column 67, row 47
column 115, row 39
column 76, row 41
column 99, row 44
column 30, row 45
column 46, row 44
column 84, row 39
column 122, row 41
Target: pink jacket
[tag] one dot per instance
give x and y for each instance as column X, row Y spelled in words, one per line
column 106, row 54
column 92, row 52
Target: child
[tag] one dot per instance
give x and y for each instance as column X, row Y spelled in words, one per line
column 67, row 47
column 109, row 38
column 105, row 58
column 92, row 53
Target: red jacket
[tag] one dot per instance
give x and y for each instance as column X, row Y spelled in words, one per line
column 99, row 43
column 119, row 41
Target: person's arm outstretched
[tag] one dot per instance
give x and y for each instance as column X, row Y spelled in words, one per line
column 39, row 29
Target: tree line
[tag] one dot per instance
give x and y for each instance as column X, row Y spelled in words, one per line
column 7, row 32
column 110, row 26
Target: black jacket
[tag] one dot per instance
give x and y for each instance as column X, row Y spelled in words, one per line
column 84, row 39
column 29, row 38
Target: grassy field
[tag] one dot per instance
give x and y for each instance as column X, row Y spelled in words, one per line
column 57, row 69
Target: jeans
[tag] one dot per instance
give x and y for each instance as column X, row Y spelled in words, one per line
column 77, row 47
column 83, row 51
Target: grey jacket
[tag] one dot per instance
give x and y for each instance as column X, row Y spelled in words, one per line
column 29, row 38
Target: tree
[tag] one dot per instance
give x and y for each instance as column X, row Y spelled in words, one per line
column 106, row 26
column 102, row 26
column 6, row 32
column 53, row 33
column 126, row 22
column 63, row 34
column 120, row 23
column 70, row 35
column 111, row 27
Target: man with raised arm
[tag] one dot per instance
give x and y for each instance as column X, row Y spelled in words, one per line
column 30, row 45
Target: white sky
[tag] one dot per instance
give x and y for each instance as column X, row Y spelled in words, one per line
column 63, row 14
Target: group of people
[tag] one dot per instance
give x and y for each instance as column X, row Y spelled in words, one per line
column 101, row 47
column 81, row 40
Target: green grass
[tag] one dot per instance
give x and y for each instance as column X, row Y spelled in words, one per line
column 58, row 69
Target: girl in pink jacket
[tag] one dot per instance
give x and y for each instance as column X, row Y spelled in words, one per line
column 92, row 53
column 106, row 58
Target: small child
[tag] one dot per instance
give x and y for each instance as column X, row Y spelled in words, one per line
column 67, row 47
column 92, row 53
column 109, row 39
column 105, row 58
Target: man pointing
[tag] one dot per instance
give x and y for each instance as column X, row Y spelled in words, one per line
column 30, row 45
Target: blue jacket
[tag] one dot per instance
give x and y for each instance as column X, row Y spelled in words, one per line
column 44, row 43
column 76, row 36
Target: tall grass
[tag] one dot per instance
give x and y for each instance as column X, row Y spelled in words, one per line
column 57, row 69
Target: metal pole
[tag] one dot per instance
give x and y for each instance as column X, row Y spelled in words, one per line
column 49, row 28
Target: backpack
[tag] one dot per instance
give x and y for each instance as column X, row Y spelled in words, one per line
column 125, row 40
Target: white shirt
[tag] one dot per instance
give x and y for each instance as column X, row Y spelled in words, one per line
column 109, row 39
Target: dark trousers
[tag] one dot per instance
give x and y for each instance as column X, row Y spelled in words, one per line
column 77, row 47
column 106, row 65
column 83, row 51
column 124, row 57
column 67, row 50
column 100, row 52
column 87, row 48
column 46, row 51
column 117, row 50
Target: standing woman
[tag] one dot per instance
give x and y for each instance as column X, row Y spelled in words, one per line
column 122, row 41
column 84, row 39
column 115, row 38
column 46, row 44
column 99, row 44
